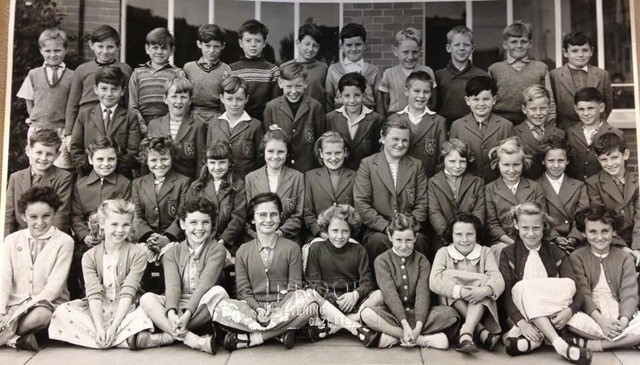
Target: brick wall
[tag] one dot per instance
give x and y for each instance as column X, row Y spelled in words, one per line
column 383, row 21
column 632, row 145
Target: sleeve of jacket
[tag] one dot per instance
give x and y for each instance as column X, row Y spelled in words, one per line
column 310, row 218
column 421, row 210
column 494, row 228
column 78, row 223
column 63, row 188
column 73, row 102
column 293, row 224
column 133, row 140
column 134, row 99
column 77, row 147
column 436, row 217
column 593, row 191
column 363, row 198
column 480, row 208
column 10, row 223
column 583, row 203
column 232, row 234
column 143, row 227
column 201, row 146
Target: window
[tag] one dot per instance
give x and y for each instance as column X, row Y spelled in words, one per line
column 489, row 19
column 187, row 20
column 439, row 19
column 230, row 14
column 142, row 17
column 540, row 15
column 619, row 50
column 327, row 18
column 280, row 41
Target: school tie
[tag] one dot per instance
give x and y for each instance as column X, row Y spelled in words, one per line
column 158, row 185
column 54, row 74
column 107, row 119
column 35, row 246
column 513, row 189
column 35, row 179
column 538, row 133
column 481, row 128
column 619, row 184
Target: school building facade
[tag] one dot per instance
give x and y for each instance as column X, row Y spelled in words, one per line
column 609, row 22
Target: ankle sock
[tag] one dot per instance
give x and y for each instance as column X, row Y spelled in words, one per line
column 255, row 338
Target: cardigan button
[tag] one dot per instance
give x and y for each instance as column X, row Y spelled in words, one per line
column 405, row 298
column 19, row 248
column 406, row 287
column 404, row 277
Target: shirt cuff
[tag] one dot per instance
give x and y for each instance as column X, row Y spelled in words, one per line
column 456, row 291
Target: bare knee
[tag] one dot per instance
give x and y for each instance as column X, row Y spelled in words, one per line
column 147, row 300
column 37, row 319
column 368, row 316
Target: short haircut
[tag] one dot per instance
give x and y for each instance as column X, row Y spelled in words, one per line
column 181, row 84
column 397, row 123
column 598, row 213
column 113, row 206
column 253, row 27
column 535, row 92
column 102, row 143
column 459, row 146
column 275, row 133
column 259, row 199
column 419, row 76
column 402, row 222
column 310, row 30
column 509, row 146
column 232, row 84
column 343, row 212
column 216, row 150
column 111, row 75
column 160, row 37
column 46, row 137
column 532, row 208
column 409, row 34
column 202, row 205
column 53, row 34
column 351, row 30
column 328, row 137
column 352, row 79
column 478, row 84
column 608, row 143
column 464, row 217
column 39, row 194
column 554, row 142
column 105, row 32
column 160, row 144
column 518, row 29
column 588, row 94
column 460, row 29
column 219, row 150
column 211, row 32
column 292, row 70
column 576, row 38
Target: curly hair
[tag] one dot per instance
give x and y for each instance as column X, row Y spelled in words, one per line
column 531, row 208
column 403, row 222
column 112, row 206
column 598, row 213
column 509, row 146
column 160, row 144
column 39, row 194
column 343, row 212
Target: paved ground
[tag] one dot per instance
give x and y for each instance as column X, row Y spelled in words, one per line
column 337, row 350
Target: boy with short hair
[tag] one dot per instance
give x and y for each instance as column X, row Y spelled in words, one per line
column 261, row 75
column 42, row 149
column 481, row 128
column 575, row 75
column 428, row 129
column 300, row 116
column 206, row 74
column 106, row 119
column 105, row 44
column 517, row 73
column 408, row 48
column 534, row 131
column 451, row 80
column 147, row 81
column 187, row 133
column 358, row 125
column 353, row 40
column 614, row 187
column 308, row 43
column 46, row 89
column 590, row 107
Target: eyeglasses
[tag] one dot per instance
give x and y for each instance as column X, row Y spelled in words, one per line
column 265, row 215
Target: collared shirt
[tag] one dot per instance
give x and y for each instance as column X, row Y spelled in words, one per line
column 416, row 119
column 589, row 134
column 26, row 90
column 266, row 251
column 555, row 184
column 190, row 277
column 157, row 184
column 174, row 126
column 351, row 66
column 206, row 66
column 353, row 125
column 584, row 68
column 49, row 70
column 472, row 258
column 245, row 117
column 534, row 268
column 536, row 130
column 454, row 183
column 394, row 173
column 36, row 244
column 104, row 112
column 35, row 178
column 511, row 60
column 513, row 188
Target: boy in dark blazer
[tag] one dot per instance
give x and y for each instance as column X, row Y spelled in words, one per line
column 107, row 119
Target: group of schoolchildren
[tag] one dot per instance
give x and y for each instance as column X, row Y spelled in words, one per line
column 512, row 203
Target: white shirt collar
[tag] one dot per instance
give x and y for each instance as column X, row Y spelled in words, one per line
column 245, row 117
column 531, row 125
column 104, row 108
column 584, row 68
column 537, row 249
column 45, row 236
column 417, row 117
column 473, row 256
column 342, row 110
column 62, row 66
column 348, row 62
column 511, row 60
column 512, row 187
column 196, row 252
column 557, row 181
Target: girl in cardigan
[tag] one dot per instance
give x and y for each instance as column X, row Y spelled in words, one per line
column 454, row 189
column 192, row 269
column 466, row 276
column 540, row 290
column 40, row 253
column 606, row 275
column 107, row 317
column 277, row 178
column 403, row 278
column 271, row 302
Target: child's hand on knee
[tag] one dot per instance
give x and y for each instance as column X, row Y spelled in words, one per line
column 529, row 331
column 560, row 320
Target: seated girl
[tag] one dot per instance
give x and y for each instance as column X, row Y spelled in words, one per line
column 406, row 317
column 271, row 302
column 34, row 264
column 107, row 317
column 191, row 269
column 540, row 294
column 454, row 189
column 466, row 276
column 328, row 185
column 282, row 180
column 607, row 277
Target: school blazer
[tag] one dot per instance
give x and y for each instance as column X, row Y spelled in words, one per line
column 231, row 210
column 319, row 194
column 365, row 143
column 500, row 199
column 156, row 213
column 443, row 206
column 564, row 90
column 291, row 192
column 20, row 181
column 603, row 190
column 190, row 143
column 304, row 128
column 563, row 206
column 523, row 131
column 124, row 129
column 497, row 129
column 244, row 140
column 583, row 161
column 376, row 198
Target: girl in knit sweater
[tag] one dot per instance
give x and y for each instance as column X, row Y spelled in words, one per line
column 466, row 276
column 607, row 276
